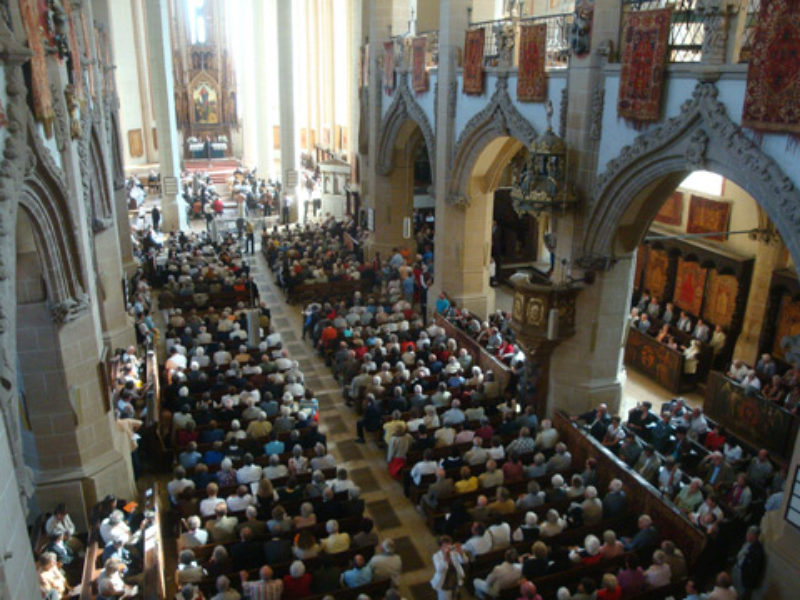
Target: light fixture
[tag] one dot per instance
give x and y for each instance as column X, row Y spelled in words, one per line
column 540, row 185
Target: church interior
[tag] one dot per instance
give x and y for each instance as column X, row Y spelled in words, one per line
column 400, row 299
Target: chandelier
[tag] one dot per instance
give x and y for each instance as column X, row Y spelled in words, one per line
column 540, row 185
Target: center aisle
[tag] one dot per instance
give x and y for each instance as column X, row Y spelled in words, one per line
column 394, row 515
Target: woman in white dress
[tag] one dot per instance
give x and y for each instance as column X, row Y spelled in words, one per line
column 448, row 573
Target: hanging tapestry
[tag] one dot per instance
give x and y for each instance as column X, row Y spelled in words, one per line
column 472, row 72
column 419, row 74
column 708, row 216
column 76, row 72
column 772, row 95
column 655, row 275
column 720, row 299
column 388, row 67
column 87, row 49
column 644, row 55
column 671, row 212
column 788, row 324
column 531, row 78
column 42, row 98
column 690, row 285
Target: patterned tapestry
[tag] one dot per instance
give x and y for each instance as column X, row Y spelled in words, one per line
column 473, row 61
column 720, row 298
column 531, row 77
column 671, row 212
column 655, row 275
column 708, row 216
column 643, row 57
column 40, row 81
column 419, row 74
column 690, row 284
column 388, row 67
column 772, row 95
column 76, row 75
column 788, row 323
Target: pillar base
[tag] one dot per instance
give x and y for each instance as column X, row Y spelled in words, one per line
column 121, row 337
column 481, row 305
column 129, row 267
column 577, row 395
column 81, row 488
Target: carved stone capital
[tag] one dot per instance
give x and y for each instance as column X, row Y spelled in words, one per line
column 458, row 200
column 101, row 224
column 69, row 310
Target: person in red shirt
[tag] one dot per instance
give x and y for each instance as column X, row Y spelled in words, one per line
column 218, row 206
column 715, row 439
column 296, row 583
column 327, row 337
column 513, row 470
column 609, row 588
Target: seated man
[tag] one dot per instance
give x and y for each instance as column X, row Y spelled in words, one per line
column 504, row 576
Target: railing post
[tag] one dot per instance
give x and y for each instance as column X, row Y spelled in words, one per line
column 736, row 30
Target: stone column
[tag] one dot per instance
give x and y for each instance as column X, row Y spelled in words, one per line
column 286, row 92
column 263, row 14
column 356, row 8
column 768, row 258
column 161, row 79
column 141, row 43
column 586, row 369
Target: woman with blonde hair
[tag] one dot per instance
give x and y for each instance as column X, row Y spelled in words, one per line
column 609, row 588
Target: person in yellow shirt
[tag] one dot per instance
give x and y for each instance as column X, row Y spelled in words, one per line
column 335, row 542
column 390, row 427
column 467, row 483
column 260, row 428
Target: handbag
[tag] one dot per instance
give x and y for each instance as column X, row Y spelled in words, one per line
column 450, row 581
column 396, row 466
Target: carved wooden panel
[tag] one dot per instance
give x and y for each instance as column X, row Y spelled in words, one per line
column 690, row 283
column 645, row 354
column 655, row 278
column 787, row 323
column 720, row 304
column 135, row 143
column 753, row 418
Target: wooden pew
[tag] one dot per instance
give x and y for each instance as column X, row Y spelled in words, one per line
column 669, row 521
column 90, row 570
column 153, row 583
column 649, row 356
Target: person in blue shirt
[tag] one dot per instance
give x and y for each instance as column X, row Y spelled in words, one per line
column 214, row 434
column 692, row 592
column 360, row 574
column 442, row 304
column 274, row 446
column 189, row 457
column 214, row 455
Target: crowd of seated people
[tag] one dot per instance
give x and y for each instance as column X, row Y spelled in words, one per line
column 260, row 501
column 768, row 380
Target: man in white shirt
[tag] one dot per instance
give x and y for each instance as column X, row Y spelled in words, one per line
column 177, row 485
column 249, row 472
column 195, row 536
column 427, row 466
column 209, row 503
column 547, row 437
column 239, row 501
column 222, row 356
column 479, row 543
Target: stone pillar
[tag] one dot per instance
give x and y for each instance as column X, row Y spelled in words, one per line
column 141, row 43
column 395, row 192
column 286, row 91
column 356, row 8
column 161, row 79
column 380, row 18
column 768, row 258
column 586, row 369
column 263, row 14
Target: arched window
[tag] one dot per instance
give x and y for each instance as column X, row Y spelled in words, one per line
column 198, row 33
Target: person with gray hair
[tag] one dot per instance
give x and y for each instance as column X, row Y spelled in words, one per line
column 224, row 591
column 387, row 564
column 749, row 568
column 195, row 536
column 322, row 458
column 265, row 587
column 335, row 542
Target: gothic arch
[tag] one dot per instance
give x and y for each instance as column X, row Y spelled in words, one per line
column 403, row 108
column 41, row 195
column 500, row 118
column 99, row 192
column 634, row 185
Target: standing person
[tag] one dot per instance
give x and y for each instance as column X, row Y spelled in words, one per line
column 749, row 567
column 448, row 575
column 155, row 217
column 250, row 238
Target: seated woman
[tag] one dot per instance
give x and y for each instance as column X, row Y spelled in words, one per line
column 305, row 545
column 589, row 554
column 609, row 588
column 663, row 334
column 553, row 524
column 631, row 576
column 467, row 483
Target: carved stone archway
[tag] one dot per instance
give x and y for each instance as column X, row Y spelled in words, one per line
column 403, row 108
column 635, row 184
column 500, row 118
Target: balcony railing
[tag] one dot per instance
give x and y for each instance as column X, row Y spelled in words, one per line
column 502, row 39
column 749, row 31
column 686, row 30
column 402, row 49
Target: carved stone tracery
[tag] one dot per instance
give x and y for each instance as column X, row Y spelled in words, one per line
column 701, row 135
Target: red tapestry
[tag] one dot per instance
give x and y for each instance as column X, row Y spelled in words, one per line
column 708, row 216
column 655, row 275
column 473, row 61
column 644, row 55
column 531, row 77
column 419, row 74
column 74, row 53
column 788, row 323
column 42, row 98
column 720, row 299
column 772, row 95
column 690, row 285
column 388, row 67
column 671, row 212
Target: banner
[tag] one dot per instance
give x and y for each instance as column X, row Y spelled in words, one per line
column 531, row 77
column 473, row 61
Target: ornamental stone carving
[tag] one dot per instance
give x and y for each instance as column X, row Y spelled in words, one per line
column 498, row 118
column 402, row 108
column 69, row 310
column 701, row 134
column 562, row 113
